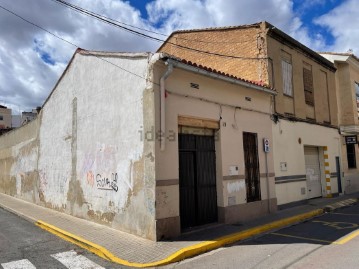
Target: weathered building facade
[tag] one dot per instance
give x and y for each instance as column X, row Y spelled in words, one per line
column 5, row 117
column 347, row 85
column 215, row 170
column 306, row 140
column 146, row 144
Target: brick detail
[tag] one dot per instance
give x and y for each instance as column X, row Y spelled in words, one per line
column 246, row 42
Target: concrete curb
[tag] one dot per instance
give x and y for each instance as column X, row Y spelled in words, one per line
column 17, row 213
column 183, row 253
column 189, row 251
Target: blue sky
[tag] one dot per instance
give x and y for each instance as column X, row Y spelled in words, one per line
column 31, row 60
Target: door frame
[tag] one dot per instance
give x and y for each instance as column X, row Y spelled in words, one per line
column 213, row 216
column 258, row 195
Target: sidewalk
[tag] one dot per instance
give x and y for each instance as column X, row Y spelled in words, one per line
column 133, row 251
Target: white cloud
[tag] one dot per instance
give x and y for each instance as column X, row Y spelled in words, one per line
column 26, row 79
column 343, row 23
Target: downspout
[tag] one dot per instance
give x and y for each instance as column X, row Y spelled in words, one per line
column 163, row 105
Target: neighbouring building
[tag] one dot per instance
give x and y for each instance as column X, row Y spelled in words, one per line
column 27, row 116
column 146, row 143
column 306, row 141
column 15, row 121
column 5, row 117
column 347, row 84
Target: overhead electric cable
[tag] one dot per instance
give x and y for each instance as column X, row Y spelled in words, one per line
column 72, row 44
column 154, row 32
column 113, row 23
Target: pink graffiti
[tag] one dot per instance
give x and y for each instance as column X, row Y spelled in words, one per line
column 90, row 178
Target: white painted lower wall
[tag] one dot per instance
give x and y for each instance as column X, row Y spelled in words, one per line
column 289, row 140
column 87, row 156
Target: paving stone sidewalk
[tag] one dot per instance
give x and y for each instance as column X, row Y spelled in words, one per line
column 138, row 250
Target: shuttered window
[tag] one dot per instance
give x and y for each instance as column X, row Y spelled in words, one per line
column 287, row 70
column 308, row 84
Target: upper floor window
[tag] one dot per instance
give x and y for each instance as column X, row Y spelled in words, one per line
column 356, row 84
column 287, row 74
column 1, row 117
column 308, row 84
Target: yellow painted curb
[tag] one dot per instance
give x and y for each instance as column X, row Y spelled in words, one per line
column 183, row 253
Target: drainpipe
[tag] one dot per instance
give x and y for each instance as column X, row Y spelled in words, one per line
column 163, row 106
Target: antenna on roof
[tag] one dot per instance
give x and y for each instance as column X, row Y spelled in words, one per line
column 350, row 51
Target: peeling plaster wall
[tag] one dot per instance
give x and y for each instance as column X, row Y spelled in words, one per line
column 229, row 144
column 90, row 160
column 18, row 162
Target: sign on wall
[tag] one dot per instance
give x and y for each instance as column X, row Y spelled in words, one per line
column 266, row 145
column 352, row 139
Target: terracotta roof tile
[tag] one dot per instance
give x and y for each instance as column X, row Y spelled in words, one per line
column 212, row 70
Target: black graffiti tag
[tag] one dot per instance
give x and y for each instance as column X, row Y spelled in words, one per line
column 105, row 183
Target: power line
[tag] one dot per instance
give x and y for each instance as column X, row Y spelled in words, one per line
column 114, row 23
column 150, row 31
column 72, row 44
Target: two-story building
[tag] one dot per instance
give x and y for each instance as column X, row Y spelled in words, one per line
column 175, row 145
column 306, row 142
column 347, row 84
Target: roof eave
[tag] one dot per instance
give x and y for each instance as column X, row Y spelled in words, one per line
column 179, row 64
column 276, row 33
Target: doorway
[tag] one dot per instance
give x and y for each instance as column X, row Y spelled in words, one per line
column 197, row 180
column 313, row 172
column 251, row 162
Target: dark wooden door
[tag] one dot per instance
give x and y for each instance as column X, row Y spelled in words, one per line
column 197, row 180
column 251, row 162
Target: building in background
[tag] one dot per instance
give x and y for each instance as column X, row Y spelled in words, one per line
column 5, row 119
column 347, row 84
column 306, row 141
column 26, row 117
column 15, row 121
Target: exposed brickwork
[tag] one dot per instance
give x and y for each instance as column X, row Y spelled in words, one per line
column 262, row 40
column 246, row 42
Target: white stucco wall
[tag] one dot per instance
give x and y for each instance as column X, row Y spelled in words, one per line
column 91, row 161
column 289, row 140
column 86, row 156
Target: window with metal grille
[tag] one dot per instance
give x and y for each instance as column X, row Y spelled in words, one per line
column 287, row 70
column 351, row 156
column 308, row 84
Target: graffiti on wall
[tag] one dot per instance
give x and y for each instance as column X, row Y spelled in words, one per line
column 99, row 169
column 107, row 183
column 90, row 178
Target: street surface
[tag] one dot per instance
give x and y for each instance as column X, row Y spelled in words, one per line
column 23, row 245
column 328, row 241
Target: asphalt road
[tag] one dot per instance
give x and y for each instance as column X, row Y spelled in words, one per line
column 25, row 246
column 327, row 241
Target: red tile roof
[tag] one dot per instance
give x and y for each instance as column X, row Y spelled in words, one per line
column 212, row 70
